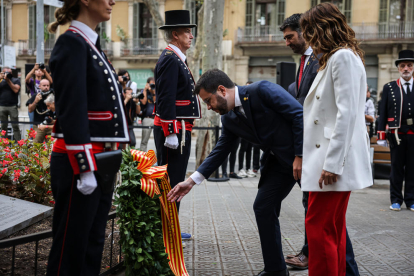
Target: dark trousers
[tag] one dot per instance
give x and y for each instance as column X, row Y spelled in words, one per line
column 256, row 157
column 245, row 148
column 351, row 265
column 79, row 223
column 132, row 138
column 177, row 161
column 232, row 155
column 402, row 164
column 274, row 185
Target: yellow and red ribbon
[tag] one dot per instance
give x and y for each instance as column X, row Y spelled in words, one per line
column 169, row 215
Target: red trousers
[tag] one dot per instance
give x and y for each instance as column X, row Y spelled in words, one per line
column 326, row 230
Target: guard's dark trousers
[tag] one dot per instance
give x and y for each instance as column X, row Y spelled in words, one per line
column 275, row 184
column 177, row 161
column 79, row 223
column 402, row 165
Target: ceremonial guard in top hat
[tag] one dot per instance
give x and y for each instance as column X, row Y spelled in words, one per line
column 177, row 106
column 397, row 111
column 90, row 120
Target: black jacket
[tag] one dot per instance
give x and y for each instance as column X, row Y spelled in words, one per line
column 174, row 92
column 88, row 98
column 308, row 75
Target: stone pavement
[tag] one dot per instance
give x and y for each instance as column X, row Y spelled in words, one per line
column 221, row 217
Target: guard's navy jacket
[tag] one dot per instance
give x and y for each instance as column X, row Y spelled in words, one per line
column 88, row 98
column 396, row 107
column 175, row 96
column 274, row 122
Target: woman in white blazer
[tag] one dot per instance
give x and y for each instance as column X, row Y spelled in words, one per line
column 336, row 144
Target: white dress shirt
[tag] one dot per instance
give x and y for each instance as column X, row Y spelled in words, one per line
column 307, row 53
column 86, row 30
column 369, row 110
column 404, row 86
column 198, row 177
column 178, row 51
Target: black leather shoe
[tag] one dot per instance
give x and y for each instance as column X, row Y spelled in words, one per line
column 224, row 175
column 234, row 175
column 274, row 273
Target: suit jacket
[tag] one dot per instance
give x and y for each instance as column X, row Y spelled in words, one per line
column 274, row 122
column 175, row 92
column 308, row 75
column 335, row 135
column 292, row 89
column 89, row 103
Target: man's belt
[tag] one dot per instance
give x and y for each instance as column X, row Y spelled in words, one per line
column 408, row 122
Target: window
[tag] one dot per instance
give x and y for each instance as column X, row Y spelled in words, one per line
column 144, row 31
column 264, row 15
column 393, row 11
column 49, row 17
column 345, row 6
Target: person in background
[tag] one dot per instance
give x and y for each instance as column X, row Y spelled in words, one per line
column 9, row 90
column 369, row 113
column 397, row 111
column 45, row 128
column 147, row 109
column 125, row 79
column 33, row 79
column 232, row 158
column 132, row 109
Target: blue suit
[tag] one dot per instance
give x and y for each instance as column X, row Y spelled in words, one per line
column 274, row 121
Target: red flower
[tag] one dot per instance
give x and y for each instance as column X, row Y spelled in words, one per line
column 48, row 192
column 37, row 155
column 46, row 137
column 21, row 142
column 32, row 133
column 26, row 169
column 52, row 202
column 7, row 149
column 5, row 141
column 16, row 175
column 4, row 171
column 3, row 132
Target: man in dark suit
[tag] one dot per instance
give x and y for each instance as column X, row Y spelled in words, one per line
column 308, row 69
column 264, row 114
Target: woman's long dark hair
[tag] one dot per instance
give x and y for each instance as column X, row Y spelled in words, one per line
column 324, row 27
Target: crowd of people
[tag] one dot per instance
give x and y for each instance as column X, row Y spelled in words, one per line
column 316, row 134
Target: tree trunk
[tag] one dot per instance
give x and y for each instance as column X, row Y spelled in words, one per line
column 153, row 8
column 194, row 53
column 212, row 58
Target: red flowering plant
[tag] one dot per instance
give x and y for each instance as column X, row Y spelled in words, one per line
column 25, row 169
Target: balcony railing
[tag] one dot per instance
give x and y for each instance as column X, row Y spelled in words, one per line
column 141, row 46
column 363, row 31
column 28, row 47
column 107, row 47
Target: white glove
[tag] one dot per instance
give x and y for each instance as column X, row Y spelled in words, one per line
column 382, row 143
column 171, row 141
column 87, row 183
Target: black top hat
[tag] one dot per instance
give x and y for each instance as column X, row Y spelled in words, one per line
column 177, row 19
column 405, row 55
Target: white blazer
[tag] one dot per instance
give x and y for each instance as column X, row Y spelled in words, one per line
column 335, row 136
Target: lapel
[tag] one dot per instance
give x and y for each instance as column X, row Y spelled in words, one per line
column 245, row 101
column 316, row 82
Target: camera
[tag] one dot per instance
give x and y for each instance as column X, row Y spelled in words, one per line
column 46, row 94
column 9, row 76
column 124, row 78
column 47, row 121
column 42, row 66
column 138, row 96
column 152, row 86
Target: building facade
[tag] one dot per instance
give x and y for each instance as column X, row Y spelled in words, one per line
column 252, row 42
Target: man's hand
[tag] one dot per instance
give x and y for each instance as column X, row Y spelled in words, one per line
column 42, row 127
column 180, row 190
column 171, row 141
column 128, row 96
column 297, row 168
column 147, row 87
column 327, row 178
column 36, row 66
column 38, row 98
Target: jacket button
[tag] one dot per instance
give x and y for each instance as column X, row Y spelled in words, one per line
column 106, row 71
column 115, row 107
column 115, row 116
column 113, row 71
column 83, row 167
column 94, row 57
column 116, row 133
column 318, row 146
column 109, row 80
column 316, row 122
column 100, row 63
column 82, row 161
column 114, row 97
column 116, row 125
column 112, row 89
column 317, row 97
column 79, row 155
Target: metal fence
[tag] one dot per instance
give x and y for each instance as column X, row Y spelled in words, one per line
column 28, row 47
column 13, row 242
column 363, row 32
column 141, row 46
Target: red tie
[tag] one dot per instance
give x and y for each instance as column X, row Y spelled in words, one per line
column 302, row 64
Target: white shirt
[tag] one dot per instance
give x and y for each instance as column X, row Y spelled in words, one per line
column 307, row 53
column 198, row 177
column 404, row 86
column 369, row 110
column 178, row 51
column 86, row 30
column 133, row 85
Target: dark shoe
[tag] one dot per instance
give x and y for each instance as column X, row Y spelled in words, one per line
column 299, row 262
column 274, row 273
column 224, row 175
column 234, row 175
